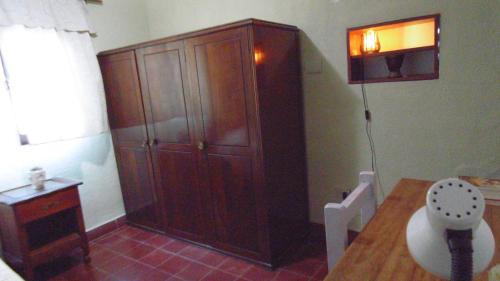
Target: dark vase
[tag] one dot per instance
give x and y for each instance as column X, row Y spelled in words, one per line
column 394, row 63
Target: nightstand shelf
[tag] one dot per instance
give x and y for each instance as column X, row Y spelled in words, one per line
column 57, row 248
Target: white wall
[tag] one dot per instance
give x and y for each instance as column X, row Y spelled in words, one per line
column 423, row 129
column 118, row 23
column 92, row 160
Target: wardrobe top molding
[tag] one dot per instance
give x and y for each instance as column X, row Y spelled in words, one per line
column 204, row 31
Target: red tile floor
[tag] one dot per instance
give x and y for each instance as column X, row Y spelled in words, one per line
column 129, row 253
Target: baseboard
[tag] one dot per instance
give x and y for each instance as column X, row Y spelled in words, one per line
column 105, row 228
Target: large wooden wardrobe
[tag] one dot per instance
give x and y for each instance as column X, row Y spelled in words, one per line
column 208, row 133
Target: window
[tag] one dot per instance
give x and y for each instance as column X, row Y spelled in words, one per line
column 8, row 137
column 53, row 85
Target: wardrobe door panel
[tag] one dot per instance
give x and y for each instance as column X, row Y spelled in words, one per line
column 128, row 128
column 137, row 187
column 234, row 201
column 222, row 92
column 123, row 98
column 221, row 80
column 166, row 91
column 181, row 195
column 169, row 113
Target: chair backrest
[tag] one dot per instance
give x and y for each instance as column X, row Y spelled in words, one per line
column 337, row 216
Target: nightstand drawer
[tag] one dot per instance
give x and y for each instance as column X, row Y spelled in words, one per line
column 48, row 205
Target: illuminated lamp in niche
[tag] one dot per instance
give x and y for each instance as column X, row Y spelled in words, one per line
column 398, row 50
column 371, row 43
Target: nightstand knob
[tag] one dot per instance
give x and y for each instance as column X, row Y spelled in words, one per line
column 50, row 205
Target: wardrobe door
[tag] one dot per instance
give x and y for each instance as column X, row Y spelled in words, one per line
column 169, row 114
column 220, row 75
column 123, row 98
column 134, row 166
column 127, row 123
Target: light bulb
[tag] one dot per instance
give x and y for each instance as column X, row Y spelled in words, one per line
column 371, row 42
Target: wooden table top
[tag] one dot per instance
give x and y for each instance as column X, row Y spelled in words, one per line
column 28, row 192
column 380, row 252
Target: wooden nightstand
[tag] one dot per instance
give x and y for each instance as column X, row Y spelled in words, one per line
column 38, row 226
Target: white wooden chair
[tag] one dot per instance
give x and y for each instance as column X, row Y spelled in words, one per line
column 337, row 216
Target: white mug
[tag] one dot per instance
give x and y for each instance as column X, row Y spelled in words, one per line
column 37, row 177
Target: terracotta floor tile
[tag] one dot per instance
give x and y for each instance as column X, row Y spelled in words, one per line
column 217, row 275
column 258, row 273
column 140, row 251
column 57, row 278
column 143, row 236
column 115, row 264
column 194, row 272
column 125, row 246
column 109, row 240
column 102, row 236
column 305, row 267
column 322, row 272
column 290, row 276
column 156, row 257
column 99, row 275
column 173, row 278
column 133, row 254
column 128, row 231
column 234, row 266
column 213, row 259
column 175, row 246
column 133, row 272
column 158, row 241
column 157, row 275
column 112, row 278
column 101, row 256
column 93, row 246
column 194, row 252
column 174, row 265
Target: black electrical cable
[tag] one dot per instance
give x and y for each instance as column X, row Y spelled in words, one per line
column 368, row 129
column 460, row 246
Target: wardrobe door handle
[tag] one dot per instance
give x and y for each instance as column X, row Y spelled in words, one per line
column 144, row 143
column 153, row 142
column 201, row 145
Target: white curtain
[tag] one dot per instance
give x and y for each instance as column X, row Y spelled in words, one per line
column 69, row 15
column 54, row 83
column 8, row 132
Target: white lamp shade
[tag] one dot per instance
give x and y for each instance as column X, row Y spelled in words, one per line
column 449, row 206
column 430, row 250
